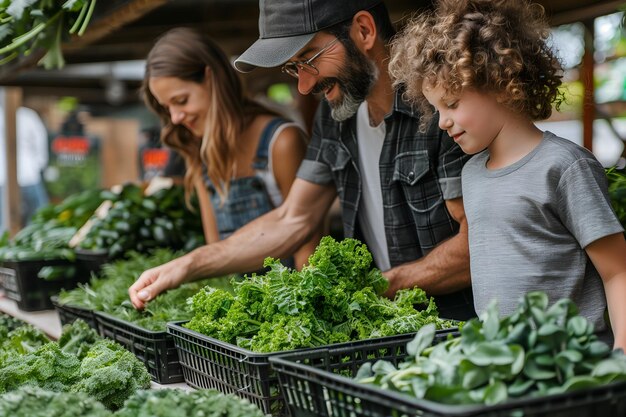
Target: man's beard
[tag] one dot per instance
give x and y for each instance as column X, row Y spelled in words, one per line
column 357, row 78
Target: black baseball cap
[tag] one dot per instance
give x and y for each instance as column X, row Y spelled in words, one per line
column 286, row 26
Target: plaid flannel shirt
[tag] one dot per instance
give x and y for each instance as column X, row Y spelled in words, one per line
column 418, row 171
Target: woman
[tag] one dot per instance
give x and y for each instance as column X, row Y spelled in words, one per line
column 228, row 141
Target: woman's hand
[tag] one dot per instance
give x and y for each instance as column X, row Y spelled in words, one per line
column 156, row 280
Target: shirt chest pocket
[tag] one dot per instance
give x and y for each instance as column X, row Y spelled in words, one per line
column 412, row 172
column 334, row 155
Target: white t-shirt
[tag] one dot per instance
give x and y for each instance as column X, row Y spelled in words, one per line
column 371, row 216
column 32, row 147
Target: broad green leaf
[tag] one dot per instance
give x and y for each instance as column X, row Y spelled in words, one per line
column 473, row 376
column 520, row 359
column 471, row 334
column 609, row 367
column 491, row 322
column 17, row 7
column 383, row 367
column 580, row 382
column 517, row 334
column 365, row 371
column 539, row 315
column 534, row 371
column 577, row 326
column 520, row 386
column 423, row 339
column 495, row 393
column 531, row 338
column 448, row 395
column 491, row 354
column 598, row 349
column 419, row 387
column 544, row 360
column 571, row 355
column 537, row 299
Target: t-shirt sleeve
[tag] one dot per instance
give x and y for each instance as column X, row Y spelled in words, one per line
column 584, row 203
column 313, row 168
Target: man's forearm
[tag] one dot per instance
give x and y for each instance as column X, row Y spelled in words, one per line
column 444, row 270
column 269, row 235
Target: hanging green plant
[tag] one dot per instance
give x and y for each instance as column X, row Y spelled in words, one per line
column 28, row 25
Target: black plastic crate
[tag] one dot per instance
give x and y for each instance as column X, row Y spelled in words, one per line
column 91, row 261
column 31, row 293
column 69, row 313
column 211, row 363
column 156, row 349
column 318, row 384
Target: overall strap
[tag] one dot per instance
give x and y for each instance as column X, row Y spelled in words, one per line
column 262, row 152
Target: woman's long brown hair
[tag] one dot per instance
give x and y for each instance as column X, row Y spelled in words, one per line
column 186, row 54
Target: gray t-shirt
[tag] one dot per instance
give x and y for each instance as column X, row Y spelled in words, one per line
column 530, row 222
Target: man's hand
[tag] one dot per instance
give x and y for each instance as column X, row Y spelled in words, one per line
column 444, row 270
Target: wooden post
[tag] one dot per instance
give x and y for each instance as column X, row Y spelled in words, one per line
column 119, row 149
column 589, row 105
column 12, row 101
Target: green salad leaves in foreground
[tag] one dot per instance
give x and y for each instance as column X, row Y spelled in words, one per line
column 538, row 350
column 336, row 298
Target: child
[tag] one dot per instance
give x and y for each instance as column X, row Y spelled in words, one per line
column 537, row 205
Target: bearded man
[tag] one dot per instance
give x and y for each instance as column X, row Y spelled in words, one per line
column 399, row 189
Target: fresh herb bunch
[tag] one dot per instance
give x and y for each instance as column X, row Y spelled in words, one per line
column 538, row 350
column 28, row 25
column 108, row 292
column 617, row 192
column 336, row 298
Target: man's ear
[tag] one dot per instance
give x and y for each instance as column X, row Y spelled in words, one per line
column 363, row 31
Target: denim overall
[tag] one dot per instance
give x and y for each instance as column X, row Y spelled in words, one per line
column 247, row 198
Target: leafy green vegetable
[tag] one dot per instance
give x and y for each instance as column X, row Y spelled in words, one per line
column 336, row 298
column 28, row 25
column 109, row 373
column 538, row 350
column 141, row 223
column 29, row 401
column 108, row 292
column 79, row 363
column 50, row 230
column 161, row 403
column 20, row 340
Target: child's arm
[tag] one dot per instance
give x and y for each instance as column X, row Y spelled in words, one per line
column 608, row 255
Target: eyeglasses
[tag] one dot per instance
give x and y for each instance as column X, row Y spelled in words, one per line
column 292, row 67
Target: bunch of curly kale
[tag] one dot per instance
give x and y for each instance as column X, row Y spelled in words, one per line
column 336, row 298
column 79, row 362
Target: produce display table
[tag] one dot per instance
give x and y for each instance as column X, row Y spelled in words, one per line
column 45, row 320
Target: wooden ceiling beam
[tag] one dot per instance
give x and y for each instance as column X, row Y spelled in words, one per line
column 121, row 16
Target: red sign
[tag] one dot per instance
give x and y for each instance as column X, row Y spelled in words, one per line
column 154, row 158
column 71, row 145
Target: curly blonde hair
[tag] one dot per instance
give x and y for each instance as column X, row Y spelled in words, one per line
column 496, row 46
